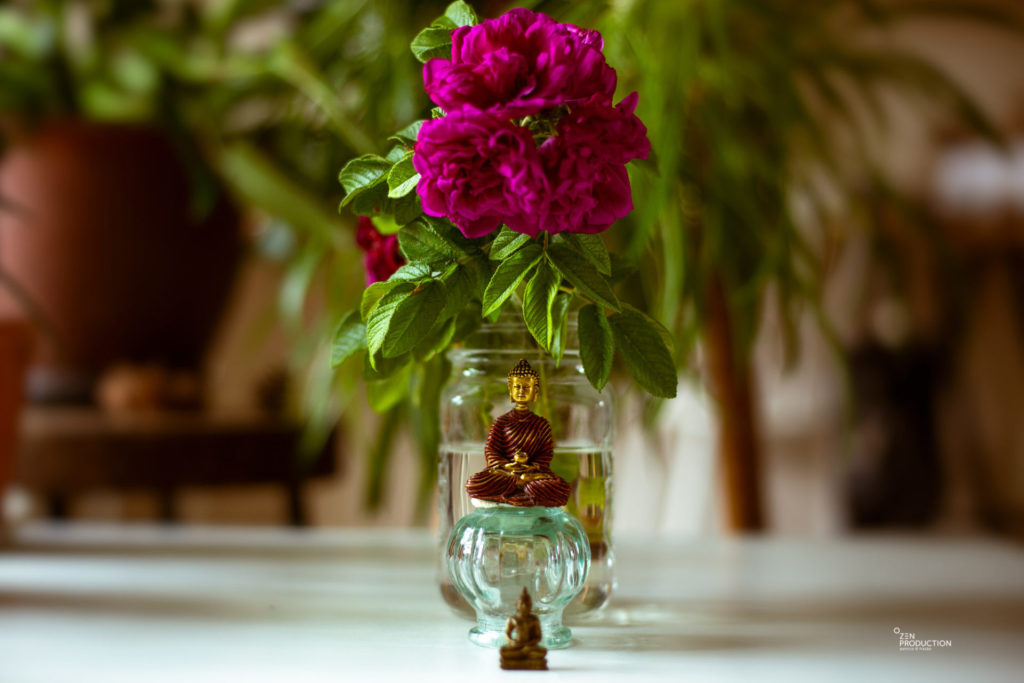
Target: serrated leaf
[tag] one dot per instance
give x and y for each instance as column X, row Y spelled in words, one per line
column 647, row 358
column 408, row 135
column 370, row 199
column 372, row 295
column 597, row 345
column 402, row 177
column 459, row 285
column 437, row 113
column 411, row 272
column 421, row 242
column 396, row 153
column 432, row 42
column 407, row 209
column 506, row 243
column 446, row 229
column 466, row 323
column 540, row 295
column 461, row 14
column 622, row 268
column 666, row 336
column 584, row 276
column 436, row 341
column 349, row 338
column 412, row 318
column 593, row 249
column 379, row 320
column 508, row 275
column 361, row 173
column 385, row 367
column 560, row 323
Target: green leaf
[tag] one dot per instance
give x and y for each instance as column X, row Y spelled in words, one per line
column 384, row 224
column 371, row 199
column 560, row 323
column 372, row 295
column 361, row 173
column 460, row 284
column 437, row 113
column 596, row 345
column 407, row 209
column 647, row 358
column 540, row 295
column 445, row 228
column 385, row 367
column 466, row 323
column 593, row 249
column 384, row 394
column 666, row 336
column 461, row 14
column 408, row 135
column 432, row 42
column 443, row 22
column 413, row 317
column 508, row 275
column 379, row 321
column 402, row 178
column 506, row 242
column 411, row 272
column 349, row 338
column 436, row 341
column 421, row 242
column 583, row 275
column 396, row 153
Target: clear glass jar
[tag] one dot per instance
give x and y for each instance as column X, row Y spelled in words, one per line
column 582, row 424
column 494, row 553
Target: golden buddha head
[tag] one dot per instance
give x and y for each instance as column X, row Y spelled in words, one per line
column 523, row 383
column 524, row 605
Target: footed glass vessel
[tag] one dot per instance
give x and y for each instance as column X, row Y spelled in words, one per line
column 494, row 552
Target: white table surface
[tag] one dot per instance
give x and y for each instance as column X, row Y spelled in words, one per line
column 96, row 603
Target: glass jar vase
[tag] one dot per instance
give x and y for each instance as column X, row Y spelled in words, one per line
column 494, row 553
column 582, row 424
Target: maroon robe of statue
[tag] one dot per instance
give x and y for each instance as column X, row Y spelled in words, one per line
column 519, row 450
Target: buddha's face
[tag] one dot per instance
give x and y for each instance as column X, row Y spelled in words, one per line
column 522, row 389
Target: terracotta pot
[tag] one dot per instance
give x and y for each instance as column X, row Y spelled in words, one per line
column 14, row 353
column 106, row 245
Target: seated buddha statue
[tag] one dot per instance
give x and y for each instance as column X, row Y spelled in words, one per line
column 518, row 451
column 524, row 634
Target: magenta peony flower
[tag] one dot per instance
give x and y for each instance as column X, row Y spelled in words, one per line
column 479, row 170
column 586, row 165
column 382, row 256
column 518, row 64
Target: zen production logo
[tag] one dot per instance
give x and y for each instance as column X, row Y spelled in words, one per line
column 909, row 642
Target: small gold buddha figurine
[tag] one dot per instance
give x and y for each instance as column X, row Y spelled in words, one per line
column 523, row 631
column 519, row 449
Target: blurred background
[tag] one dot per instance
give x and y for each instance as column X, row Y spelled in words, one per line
column 833, row 231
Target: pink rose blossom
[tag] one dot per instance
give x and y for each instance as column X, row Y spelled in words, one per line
column 382, row 256
column 586, row 165
column 480, row 170
column 518, row 64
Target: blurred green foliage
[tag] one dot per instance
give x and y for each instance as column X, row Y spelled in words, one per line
column 265, row 98
column 763, row 115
